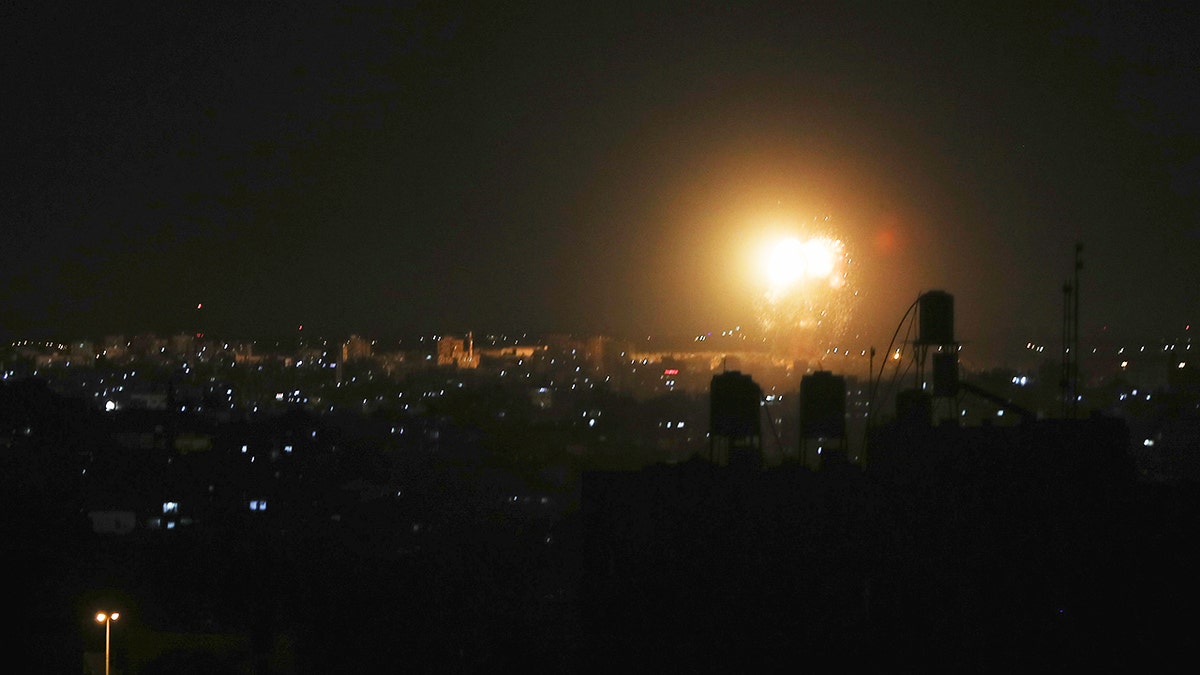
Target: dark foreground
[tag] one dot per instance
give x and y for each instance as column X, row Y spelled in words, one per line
column 996, row 550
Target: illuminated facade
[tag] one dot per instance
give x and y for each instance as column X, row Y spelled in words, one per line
column 458, row 352
column 356, row 348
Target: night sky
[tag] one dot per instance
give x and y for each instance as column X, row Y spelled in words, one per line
column 385, row 169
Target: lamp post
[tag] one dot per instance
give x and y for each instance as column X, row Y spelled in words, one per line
column 107, row 619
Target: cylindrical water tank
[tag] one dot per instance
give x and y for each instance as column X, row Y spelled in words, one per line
column 735, row 401
column 936, row 318
column 822, row 405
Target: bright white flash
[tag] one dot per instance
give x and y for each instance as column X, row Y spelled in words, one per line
column 791, row 262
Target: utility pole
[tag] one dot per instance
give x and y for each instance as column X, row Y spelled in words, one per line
column 1070, row 340
column 1075, row 335
column 1064, row 374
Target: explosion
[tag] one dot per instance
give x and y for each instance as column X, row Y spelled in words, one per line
column 805, row 309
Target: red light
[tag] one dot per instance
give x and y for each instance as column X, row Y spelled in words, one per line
column 671, row 371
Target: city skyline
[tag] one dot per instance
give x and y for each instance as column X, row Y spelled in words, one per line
column 596, row 169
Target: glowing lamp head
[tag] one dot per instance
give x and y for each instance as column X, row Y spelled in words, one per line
column 102, row 617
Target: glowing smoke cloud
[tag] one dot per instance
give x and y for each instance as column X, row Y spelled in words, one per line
column 807, row 305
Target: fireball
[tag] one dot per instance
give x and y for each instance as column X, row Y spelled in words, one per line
column 806, row 305
column 791, row 263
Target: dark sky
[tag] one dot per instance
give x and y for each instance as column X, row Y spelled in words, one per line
column 445, row 166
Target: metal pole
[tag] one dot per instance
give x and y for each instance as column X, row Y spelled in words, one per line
column 1074, row 360
column 107, row 634
column 870, row 385
column 1064, row 381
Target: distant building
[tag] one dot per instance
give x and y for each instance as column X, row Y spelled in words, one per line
column 600, row 353
column 356, row 348
column 243, row 352
column 147, row 346
column 456, row 351
column 83, row 353
column 512, row 352
column 114, row 347
column 112, row 521
column 183, row 344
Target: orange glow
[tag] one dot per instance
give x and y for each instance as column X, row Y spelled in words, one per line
column 791, row 262
column 885, row 240
column 806, row 301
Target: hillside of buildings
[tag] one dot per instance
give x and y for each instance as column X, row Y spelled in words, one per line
column 554, row 504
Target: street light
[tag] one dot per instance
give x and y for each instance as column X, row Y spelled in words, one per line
column 107, row 620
